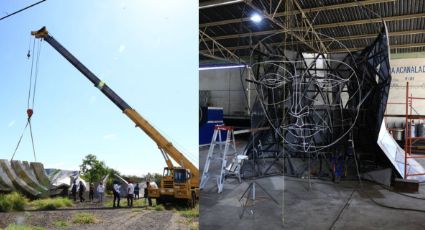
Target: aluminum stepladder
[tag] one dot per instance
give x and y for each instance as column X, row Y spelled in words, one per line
column 230, row 141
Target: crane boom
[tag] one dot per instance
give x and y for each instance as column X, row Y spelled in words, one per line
column 140, row 122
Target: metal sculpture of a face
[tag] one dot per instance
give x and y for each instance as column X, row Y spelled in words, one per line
column 308, row 101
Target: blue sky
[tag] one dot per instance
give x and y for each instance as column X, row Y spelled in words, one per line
column 146, row 51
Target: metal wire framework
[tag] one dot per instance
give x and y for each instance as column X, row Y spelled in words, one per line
column 313, row 102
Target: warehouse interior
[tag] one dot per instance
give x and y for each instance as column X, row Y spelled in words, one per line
column 312, row 114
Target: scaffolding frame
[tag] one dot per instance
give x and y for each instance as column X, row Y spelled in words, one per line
column 408, row 138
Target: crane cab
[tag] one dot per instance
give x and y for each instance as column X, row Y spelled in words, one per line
column 181, row 175
column 175, row 184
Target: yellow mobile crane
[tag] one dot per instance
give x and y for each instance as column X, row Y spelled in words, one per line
column 178, row 183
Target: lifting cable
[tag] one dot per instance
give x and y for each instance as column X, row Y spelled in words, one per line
column 31, row 92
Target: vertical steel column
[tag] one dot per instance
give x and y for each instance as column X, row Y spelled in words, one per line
column 406, row 135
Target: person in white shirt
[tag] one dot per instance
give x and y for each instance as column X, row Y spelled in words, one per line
column 130, row 194
column 100, row 191
column 116, row 191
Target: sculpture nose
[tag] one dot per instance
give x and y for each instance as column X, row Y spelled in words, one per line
column 299, row 122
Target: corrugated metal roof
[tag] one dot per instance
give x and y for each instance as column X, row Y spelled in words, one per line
column 352, row 22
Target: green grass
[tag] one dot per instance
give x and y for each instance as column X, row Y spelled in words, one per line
column 123, row 203
column 12, row 202
column 23, row 227
column 60, row 224
column 84, row 218
column 134, row 210
column 159, row 208
column 140, row 202
column 190, row 213
column 51, row 203
column 108, row 203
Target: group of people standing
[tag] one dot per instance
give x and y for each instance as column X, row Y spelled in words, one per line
column 81, row 188
column 133, row 191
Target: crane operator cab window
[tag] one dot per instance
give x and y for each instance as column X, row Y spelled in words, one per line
column 181, row 175
column 167, row 172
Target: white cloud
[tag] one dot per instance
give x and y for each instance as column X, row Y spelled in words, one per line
column 110, row 136
column 122, row 48
column 12, row 123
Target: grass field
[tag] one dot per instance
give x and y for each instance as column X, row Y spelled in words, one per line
column 96, row 218
column 84, row 218
column 12, row 202
column 23, row 227
column 51, row 203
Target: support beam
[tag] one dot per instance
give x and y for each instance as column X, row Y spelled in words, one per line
column 392, row 47
column 351, row 37
column 215, row 3
column 400, row 46
column 283, row 28
column 214, row 57
column 323, row 48
column 326, row 26
column 294, row 12
column 214, row 48
column 354, row 37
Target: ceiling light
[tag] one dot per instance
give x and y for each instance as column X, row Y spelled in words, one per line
column 256, row 18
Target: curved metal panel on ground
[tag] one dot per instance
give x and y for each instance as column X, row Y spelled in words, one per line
column 28, row 176
column 39, row 172
column 31, row 179
column 6, row 184
column 18, row 182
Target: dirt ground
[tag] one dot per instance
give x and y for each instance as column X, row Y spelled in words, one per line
column 107, row 218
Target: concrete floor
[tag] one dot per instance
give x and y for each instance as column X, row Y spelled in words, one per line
column 308, row 207
column 223, row 211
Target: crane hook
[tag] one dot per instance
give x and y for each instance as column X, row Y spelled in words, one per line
column 29, row 113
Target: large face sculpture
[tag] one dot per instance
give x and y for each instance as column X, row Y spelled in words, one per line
column 309, row 99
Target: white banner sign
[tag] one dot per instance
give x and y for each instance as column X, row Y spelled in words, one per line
column 403, row 70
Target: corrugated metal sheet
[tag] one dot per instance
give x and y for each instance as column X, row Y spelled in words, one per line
column 407, row 31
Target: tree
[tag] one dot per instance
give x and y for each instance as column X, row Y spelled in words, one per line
column 93, row 169
column 156, row 177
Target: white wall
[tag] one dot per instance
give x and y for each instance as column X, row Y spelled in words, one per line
column 403, row 70
column 225, row 89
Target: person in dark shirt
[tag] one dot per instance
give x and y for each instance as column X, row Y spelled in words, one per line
column 81, row 190
column 74, row 191
column 146, row 195
column 136, row 191
column 91, row 192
